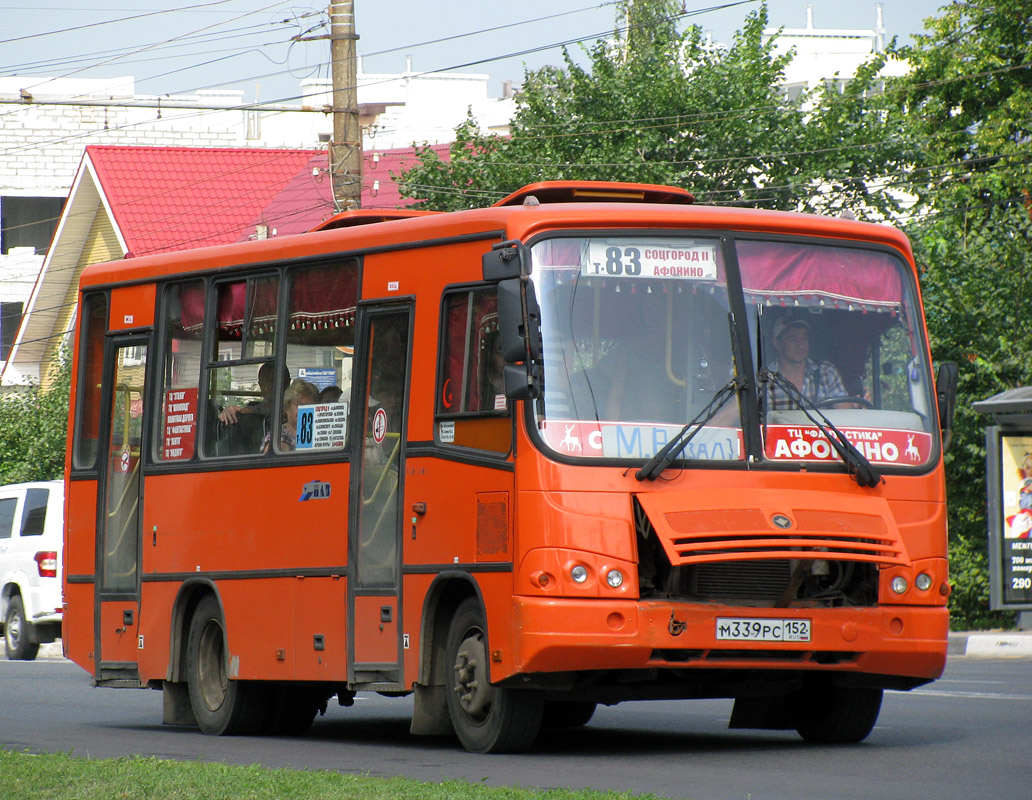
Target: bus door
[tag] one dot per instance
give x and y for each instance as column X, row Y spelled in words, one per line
column 376, row 493
column 119, row 503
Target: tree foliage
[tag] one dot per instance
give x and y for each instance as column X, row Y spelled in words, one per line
column 33, row 430
column 966, row 105
column 656, row 105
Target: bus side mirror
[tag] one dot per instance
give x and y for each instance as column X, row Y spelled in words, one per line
column 946, row 399
column 519, row 321
column 520, row 383
column 504, row 261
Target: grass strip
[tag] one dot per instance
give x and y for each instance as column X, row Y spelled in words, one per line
column 59, row 776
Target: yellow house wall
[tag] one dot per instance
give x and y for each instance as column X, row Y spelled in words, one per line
column 101, row 245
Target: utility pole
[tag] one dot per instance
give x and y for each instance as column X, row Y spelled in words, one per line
column 346, row 147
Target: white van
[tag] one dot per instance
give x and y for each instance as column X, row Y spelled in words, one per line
column 31, row 536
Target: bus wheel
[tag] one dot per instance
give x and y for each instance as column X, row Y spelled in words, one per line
column 16, row 633
column 221, row 706
column 838, row 715
column 568, row 714
column 486, row 718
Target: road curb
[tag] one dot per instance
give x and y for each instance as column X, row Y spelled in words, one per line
column 992, row 644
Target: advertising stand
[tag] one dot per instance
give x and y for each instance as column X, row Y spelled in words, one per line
column 1008, row 445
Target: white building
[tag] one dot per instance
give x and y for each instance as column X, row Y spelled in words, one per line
column 45, row 124
column 823, row 54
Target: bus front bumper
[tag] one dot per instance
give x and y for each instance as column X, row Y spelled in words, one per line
column 568, row 634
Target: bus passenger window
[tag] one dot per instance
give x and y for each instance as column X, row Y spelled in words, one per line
column 182, row 337
column 320, row 336
column 91, row 358
column 241, row 372
column 471, row 386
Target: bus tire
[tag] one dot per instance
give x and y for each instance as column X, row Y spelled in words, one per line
column 223, row 707
column 568, row 713
column 486, row 718
column 838, row 715
column 18, row 642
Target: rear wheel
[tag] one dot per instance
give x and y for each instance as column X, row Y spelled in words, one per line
column 221, row 706
column 17, row 637
column 838, row 715
column 486, row 718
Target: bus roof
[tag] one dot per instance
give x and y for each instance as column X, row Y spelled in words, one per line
column 578, row 205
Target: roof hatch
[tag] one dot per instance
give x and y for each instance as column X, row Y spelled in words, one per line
column 596, row 192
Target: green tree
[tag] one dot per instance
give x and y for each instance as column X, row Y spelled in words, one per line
column 966, row 105
column 33, row 430
column 656, row 105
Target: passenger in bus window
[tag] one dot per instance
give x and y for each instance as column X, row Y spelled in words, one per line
column 816, row 380
column 299, row 393
column 267, row 385
column 331, row 394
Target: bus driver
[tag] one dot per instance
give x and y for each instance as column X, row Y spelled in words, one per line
column 816, row 380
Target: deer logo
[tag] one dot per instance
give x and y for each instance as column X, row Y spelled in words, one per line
column 911, row 451
column 569, row 441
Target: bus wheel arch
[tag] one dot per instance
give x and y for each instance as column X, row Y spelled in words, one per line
column 221, row 705
column 430, row 709
column 487, row 718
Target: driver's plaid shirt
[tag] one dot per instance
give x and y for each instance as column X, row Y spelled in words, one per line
column 821, row 381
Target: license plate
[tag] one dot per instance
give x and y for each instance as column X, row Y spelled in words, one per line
column 744, row 629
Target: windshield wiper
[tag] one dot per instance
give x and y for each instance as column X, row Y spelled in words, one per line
column 860, row 469
column 654, row 467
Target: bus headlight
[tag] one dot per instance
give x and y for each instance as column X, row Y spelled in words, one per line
column 923, row 581
column 899, row 584
column 614, row 578
column 579, row 573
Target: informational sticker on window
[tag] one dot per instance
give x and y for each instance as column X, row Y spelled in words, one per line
column 180, row 430
column 322, row 426
column 877, row 445
column 322, row 377
column 446, row 432
column 624, row 440
column 677, row 259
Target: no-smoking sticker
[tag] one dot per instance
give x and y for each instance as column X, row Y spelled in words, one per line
column 379, row 425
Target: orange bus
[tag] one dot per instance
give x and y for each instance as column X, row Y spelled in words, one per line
column 591, row 444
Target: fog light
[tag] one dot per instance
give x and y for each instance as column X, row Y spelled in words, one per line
column 614, row 578
column 923, row 581
column 579, row 574
column 899, row 584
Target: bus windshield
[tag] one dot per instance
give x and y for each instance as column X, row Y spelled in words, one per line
column 637, row 342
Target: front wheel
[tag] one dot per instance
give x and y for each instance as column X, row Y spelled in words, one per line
column 486, row 718
column 221, row 706
column 838, row 715
column 17, row 639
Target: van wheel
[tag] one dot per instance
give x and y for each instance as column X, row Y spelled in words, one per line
column 17, row 633
column 838, row 715
column 486, row 718
column 221, row 706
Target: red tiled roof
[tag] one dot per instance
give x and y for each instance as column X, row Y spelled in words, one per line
column 177, row 198
column 378, row 189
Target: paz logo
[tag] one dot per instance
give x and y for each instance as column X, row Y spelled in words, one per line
column 314, row 490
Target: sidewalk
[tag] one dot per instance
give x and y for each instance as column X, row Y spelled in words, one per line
column 991, row 644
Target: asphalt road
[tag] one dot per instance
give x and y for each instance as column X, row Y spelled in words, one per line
column 966, row 736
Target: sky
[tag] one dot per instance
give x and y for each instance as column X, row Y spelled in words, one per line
column 249, row 46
